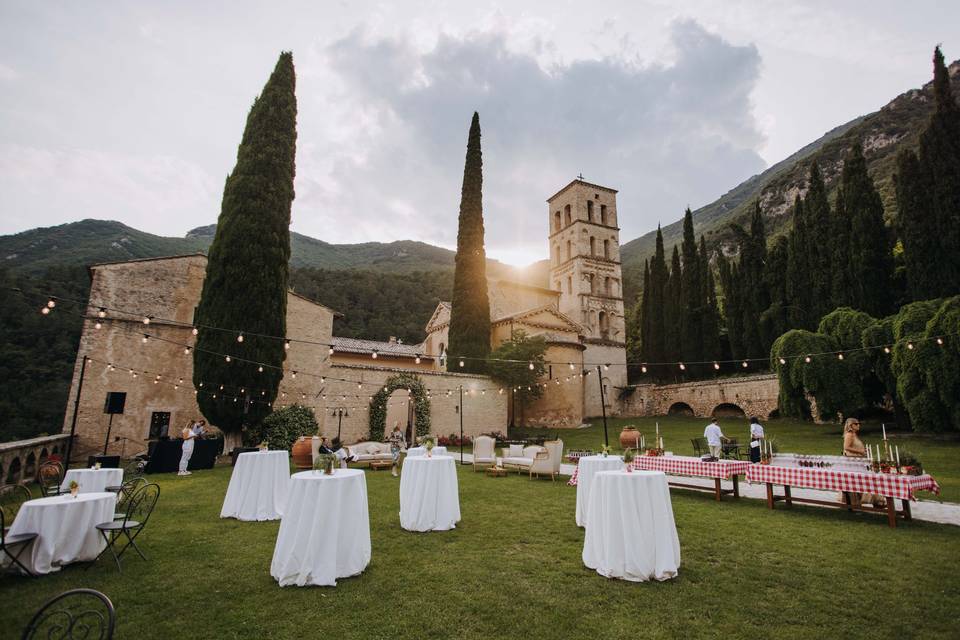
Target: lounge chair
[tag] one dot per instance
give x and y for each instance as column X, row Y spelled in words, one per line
column 484, row 452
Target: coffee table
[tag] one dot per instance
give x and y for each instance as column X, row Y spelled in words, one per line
column 497, row 472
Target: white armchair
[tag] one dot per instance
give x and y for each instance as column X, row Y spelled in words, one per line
column 484, row 452
column 548, row 461
column 519, row 457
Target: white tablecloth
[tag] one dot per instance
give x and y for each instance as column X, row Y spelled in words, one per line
column 429, row 495
column 422, row 451
column 630, row 528
column 258, row 487
column 67, row 528
column 92, row 480
column 325, row 530
column 586, row 469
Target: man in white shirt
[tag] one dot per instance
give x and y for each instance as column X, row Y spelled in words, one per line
column 714, row 438
column 756, row 439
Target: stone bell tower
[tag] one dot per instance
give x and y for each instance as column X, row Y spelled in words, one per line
column 585, row 269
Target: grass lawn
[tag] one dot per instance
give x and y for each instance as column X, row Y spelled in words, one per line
column 512, row 569
column 940, row 456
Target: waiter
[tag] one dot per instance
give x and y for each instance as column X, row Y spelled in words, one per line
column 756, row 439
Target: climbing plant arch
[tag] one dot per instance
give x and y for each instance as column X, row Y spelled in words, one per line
column 421, row 405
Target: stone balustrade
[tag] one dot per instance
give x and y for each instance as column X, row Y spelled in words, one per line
column 19, row 460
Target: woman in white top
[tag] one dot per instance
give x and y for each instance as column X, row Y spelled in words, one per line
column 187, row 450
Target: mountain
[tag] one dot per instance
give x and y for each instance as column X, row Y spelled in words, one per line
column 884, row 133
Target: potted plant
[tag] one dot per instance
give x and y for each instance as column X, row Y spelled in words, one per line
column 325, row 462
column 74, row 488
column 428, row 444
column 628, row 456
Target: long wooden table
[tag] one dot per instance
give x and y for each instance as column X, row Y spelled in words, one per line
column 891, row 486
column 692, row 467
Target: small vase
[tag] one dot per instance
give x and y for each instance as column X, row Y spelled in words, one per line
column 629, row 467
column 75, row 491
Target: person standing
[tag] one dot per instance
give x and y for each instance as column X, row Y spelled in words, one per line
column 187, row 450
column 715, row 438
column 199, row 428
column 756, row 438
column 397, row 443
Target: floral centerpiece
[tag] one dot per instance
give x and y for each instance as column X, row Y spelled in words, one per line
column 604, row 451
column 910, row 464
column 628, row 456
column 96, row 466
column 263, row 445
column 74, row 488
column 325, row 462
column 429, row 444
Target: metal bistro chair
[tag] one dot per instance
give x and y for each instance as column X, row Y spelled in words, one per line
column 699, row 446
column 138, row 510
column 125, row 492
column 132, row 471
column 731, row 449
column 11, row 497
column 78, row 613
column 50, row 477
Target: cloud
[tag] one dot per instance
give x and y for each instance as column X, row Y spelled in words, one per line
column 142, row 191
column 665, row 135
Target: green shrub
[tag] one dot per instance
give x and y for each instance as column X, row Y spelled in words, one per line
column 833, row 382
column 282, row 427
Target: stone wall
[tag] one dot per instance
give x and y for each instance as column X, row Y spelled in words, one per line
column 753, row 395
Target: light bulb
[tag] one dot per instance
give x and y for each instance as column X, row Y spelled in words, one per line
column 186, row 350
column 286, row 345
column 260, row 369
column 227, row 358
column 144, row 338
column 886, row 349
column 643, row 369
column 45, row 310
column 530, row 366
column 807, row 359
column 146, row 319
column 683, row 367
column 102, row 313
column 839, row 356
column 461, row 362
column 571, row 366
column 501, row 390
column 240, row 338
column 783, row 361
column 98, row 325
column 910, row 346
column 716, row 365
column 940, row 341
column 294, row 375
column 330, row 351
column 417, row 359
column 51, row 303
column 606, row 367
column 374, row 355
column 194, row 331
column 744, row 364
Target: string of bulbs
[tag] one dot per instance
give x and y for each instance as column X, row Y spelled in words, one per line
column 102, row 314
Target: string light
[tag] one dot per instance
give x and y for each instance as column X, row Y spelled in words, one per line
column 240, row 337
column 186, row 351
column 194, row 331
column 97, row 325
column 716, row 366
column 330, row 351
column 643, row 368
column 683, row 367
column 461, row 363
column 940, row 341
column 51, row 303
column 227, row 358
column 102, row 313
column 910, row 346
column 886, row 350
column 144, row 338
column 286, row 345
column 807, row 359
column 373, row 354
column 530, row 366
column 260, row 369
column 606, row 367
column 839, row 356
column 744, row 364
column 294, row 375
column 783, row 361
column 417, row 359
column 146, row 319
column 45, row 311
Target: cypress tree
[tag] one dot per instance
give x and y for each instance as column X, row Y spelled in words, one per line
column 245, row 288
column 798, row 268
column 870, row 259
column 691, row 298
column 709, row 321
column 755, row 298
column 816, row 243
column 655, row 345
column 940, row 161
column 842, row 284
column 470, row 307
column 918, row 228
column 645, row 314
column 673, row 310
column 773, row 321
column 732, row 305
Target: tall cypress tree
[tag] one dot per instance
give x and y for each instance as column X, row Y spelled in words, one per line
column 940, row 161
column 245, row 289
column 918, row 228
column 798, row 267
column 655, row 341
column 470, row 307
column 673, row 310
column 645, row 313
column 755, row 298
column 691, row 298
column 732, row 305
column 816, row 242
column 842, row 285
column 870, row 259
column 710, row 320
column 773, row 321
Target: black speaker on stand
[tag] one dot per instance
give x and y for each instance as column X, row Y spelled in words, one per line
column 114, row 404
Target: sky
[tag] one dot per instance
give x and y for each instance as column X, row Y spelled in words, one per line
column 133, row 111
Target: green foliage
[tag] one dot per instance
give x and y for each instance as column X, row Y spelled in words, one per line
column 469, row 333
column 421, row 405
column 281, row 428
column 710, row 318
column 672, row 310
column 247, row 272
column 653, row 309
column 37, row 352
column 376, row 305
column 517, row 375
column 833, row 382
column 690, row 316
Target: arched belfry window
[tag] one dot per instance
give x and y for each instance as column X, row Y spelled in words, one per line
column 604, row 322
column 606, row 249
column 606, row 287
column 569, row 250
column 556, row 221
column 593, row 246
column 589, row 210
column 603, row 214
column 566, row 214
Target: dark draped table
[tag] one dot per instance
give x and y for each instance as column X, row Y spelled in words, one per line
column 165, row 455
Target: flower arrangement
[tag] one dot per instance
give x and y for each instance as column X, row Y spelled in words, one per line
column 429, row 444
column 325, row 462
column 628, row 457
column 604, row 450
column 96, row 466
column 74, row 488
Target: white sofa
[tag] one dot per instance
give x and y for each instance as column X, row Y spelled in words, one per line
column 367, row 452
column 519, row 457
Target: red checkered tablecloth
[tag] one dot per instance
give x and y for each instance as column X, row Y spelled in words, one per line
column 684, row 466
column 883, row 484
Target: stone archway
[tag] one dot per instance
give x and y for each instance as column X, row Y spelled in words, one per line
column 681, row 409
column 728, row 410
column 421, row 405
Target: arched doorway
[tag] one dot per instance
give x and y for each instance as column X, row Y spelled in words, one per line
column 680, row 409
column 411, row 386
column 401, row 411
column 728, row 410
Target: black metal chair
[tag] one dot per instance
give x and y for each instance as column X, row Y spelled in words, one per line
column 50, row 477
column 135, row 518
column 699, row 446
column 133, row 470
column 730, row 449
column 78, row 613
column 125, row 493
column 13, row 546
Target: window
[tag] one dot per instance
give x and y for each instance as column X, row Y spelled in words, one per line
column 569, row 284
column 556, row 254
column 589, row 210
column 604, row 322
column 591, row 279
column 566, row 213
column 593, row 246
column 569, row 250
column 615, row 289
column 606, row 286
column 159, row 425
column 603, row 214
column 556, row 221
column 606, row 249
